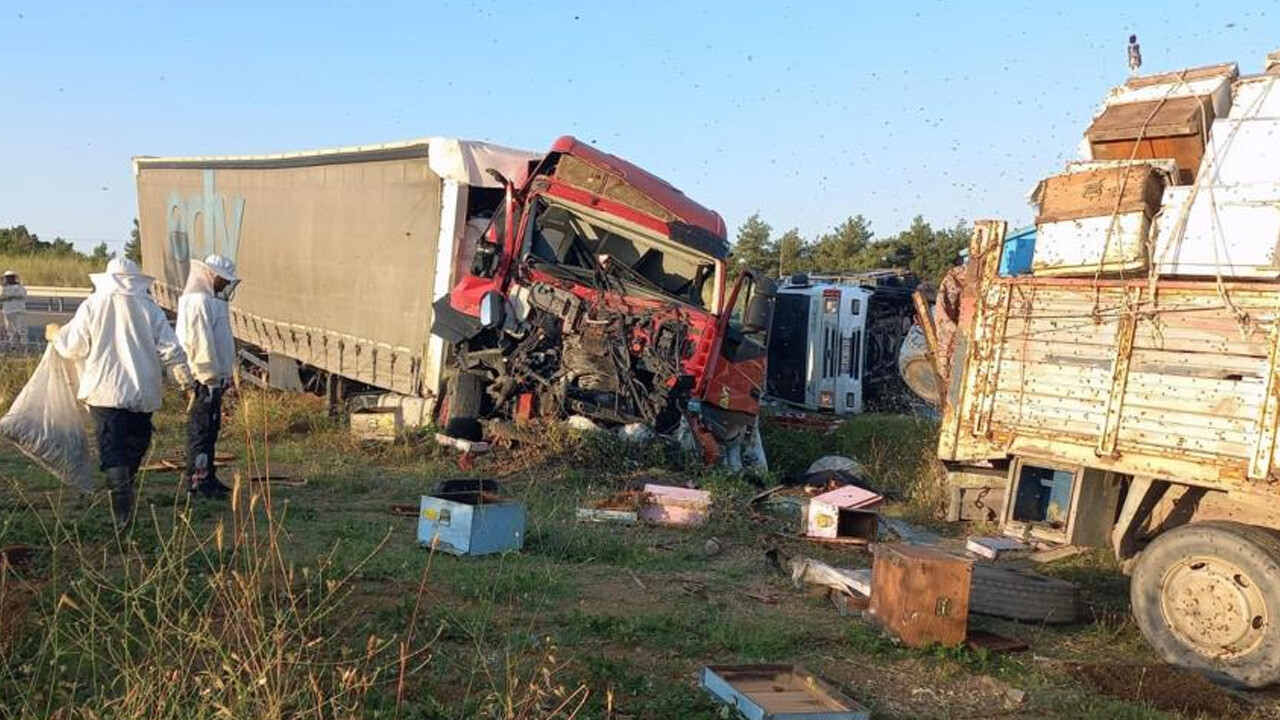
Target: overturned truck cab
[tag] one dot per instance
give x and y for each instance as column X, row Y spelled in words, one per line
column 599, row 290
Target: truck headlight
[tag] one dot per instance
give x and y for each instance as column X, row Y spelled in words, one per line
column 826, row 399
column 491, row 310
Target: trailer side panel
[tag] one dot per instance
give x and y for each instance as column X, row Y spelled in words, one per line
column 338, row 258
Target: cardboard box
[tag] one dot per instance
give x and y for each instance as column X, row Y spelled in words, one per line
column 1100, row 192
column 921, row 594
column 377, row 424
column 471, row 517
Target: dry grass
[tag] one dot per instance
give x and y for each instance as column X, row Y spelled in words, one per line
column 53, row 270
column 316, row 601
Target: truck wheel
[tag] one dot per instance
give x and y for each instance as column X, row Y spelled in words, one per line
column 1207, row 597
column 1016, row 595
column 466, row 393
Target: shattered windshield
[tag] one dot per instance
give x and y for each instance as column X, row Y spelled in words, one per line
column 575, row 238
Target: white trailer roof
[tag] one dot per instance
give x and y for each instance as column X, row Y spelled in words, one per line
column 464, row 161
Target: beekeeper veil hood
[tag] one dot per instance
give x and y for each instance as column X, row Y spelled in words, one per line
column 121, row 276
column 201, row 278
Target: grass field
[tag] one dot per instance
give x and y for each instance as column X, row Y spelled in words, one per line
column 315, row 601
column 52, row 270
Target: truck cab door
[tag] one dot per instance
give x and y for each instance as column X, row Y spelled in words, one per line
column 736, row 372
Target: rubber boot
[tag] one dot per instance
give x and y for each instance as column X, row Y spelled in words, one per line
column 120, row 483
column 213, row 488
column 204, row 482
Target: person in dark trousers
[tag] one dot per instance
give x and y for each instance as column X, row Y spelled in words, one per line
column 204, row 330
column 125, row 343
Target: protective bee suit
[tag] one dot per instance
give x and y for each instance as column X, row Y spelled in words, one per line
column 13, row 309
column 204, row 330
column 124, row 344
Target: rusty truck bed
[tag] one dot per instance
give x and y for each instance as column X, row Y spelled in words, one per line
column 1164, row 378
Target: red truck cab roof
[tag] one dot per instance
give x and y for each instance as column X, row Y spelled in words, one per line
column 640, row 191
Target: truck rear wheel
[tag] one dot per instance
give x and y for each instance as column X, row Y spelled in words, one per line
column 466, row 393
column 1207, row 597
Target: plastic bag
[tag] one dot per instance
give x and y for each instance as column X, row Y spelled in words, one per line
column 47, row 422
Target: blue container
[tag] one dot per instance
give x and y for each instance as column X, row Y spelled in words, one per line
column 471, row 523
column 1019, row 251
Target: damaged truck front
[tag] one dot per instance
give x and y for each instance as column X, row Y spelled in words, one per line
column 601, row 291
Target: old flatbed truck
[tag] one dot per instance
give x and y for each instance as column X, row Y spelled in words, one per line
column 1140, row 414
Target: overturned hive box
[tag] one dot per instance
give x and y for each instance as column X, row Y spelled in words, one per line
column 921, row 594
column 380, row 424
column 471, row 517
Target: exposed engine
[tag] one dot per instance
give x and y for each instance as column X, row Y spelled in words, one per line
column 585, row 357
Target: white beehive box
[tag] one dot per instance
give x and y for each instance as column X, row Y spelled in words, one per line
column 1086, row 246
column 1228, row 232
column 1243, row 152
column 1256, row 97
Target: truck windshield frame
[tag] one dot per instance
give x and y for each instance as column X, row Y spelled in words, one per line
column 573, row 238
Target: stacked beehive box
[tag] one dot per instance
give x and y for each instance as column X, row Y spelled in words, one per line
column 1228, row 223
column 1182, row 177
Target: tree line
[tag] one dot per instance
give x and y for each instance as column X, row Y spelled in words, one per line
column 18, row 240
column 848, row 248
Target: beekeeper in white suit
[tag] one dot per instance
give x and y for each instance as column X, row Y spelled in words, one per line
column 204, row 329
column 125, row 343
column 13, row 309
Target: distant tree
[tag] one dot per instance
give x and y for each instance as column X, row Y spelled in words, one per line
column 793, row 254
column 18, row 240
column 754, row 247
column 101, row 254
column 933, row 251
column 62, row 247
column 838, row 251
column 133, row 248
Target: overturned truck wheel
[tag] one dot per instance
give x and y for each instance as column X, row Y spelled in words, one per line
column 1207, row 597
column 462, row 421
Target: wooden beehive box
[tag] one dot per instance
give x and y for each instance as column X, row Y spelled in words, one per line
column 383, row 424
column 1153, row 129
column 778, row 692
column 921, row 594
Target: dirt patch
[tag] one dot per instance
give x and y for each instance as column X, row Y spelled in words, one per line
column 1166, row 688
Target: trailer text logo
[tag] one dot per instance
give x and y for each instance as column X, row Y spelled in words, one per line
column 205, row 223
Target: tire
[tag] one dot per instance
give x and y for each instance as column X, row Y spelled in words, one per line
column 1207, row 598
column 1028, row 597
column 466, row 394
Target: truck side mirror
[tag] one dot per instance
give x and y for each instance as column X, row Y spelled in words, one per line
column 491, row 307
column 759, row 313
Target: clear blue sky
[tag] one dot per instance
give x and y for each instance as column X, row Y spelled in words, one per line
column 804, row 112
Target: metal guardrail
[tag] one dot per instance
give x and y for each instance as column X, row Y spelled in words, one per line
column 54, row 291
column 55, row 299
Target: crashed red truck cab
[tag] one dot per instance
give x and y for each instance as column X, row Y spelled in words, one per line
column 599, row 290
